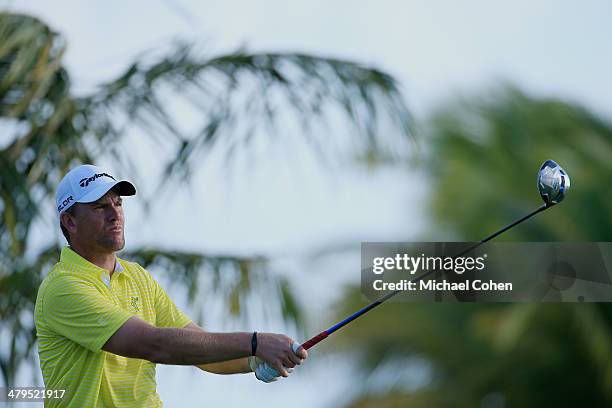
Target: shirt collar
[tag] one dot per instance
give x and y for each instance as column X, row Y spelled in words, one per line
column 70, row 257
column 118, row 266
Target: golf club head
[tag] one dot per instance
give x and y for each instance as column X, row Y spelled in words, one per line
column 553, row 182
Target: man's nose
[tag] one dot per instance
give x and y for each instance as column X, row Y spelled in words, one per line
column 115, row 212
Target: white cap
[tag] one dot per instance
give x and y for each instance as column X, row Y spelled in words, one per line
column 87, row 183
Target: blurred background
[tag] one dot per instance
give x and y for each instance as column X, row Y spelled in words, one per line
column 268, row 139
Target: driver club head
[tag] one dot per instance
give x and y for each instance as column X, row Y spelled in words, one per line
column 553, row 182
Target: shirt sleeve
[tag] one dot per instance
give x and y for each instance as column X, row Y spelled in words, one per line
column 77, row 310
column 167, row 314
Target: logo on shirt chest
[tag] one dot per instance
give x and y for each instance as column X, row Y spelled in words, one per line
column 134, row 303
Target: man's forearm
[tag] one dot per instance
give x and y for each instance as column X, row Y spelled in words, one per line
column 237, row 366
column 191, row 347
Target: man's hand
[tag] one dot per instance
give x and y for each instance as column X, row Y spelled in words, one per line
column 277, row 351
column 264, row 372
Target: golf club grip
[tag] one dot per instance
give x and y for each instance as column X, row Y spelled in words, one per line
column 321, row 336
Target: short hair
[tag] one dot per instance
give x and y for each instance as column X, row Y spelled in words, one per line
column 70, row 211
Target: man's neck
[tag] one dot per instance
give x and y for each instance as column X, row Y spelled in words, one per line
column 105, row 260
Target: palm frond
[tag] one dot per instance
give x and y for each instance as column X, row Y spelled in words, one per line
column 239, row 94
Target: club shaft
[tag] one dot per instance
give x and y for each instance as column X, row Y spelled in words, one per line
column 324, row 334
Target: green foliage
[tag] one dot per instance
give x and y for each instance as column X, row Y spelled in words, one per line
column 531, row 354
column 483, row 159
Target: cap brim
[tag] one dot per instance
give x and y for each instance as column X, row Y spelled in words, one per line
column 123, row 188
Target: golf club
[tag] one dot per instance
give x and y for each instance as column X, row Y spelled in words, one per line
column 553, row 183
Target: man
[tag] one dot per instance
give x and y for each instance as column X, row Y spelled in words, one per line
column 103, row 323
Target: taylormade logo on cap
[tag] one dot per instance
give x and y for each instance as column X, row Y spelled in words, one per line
column 87, row 183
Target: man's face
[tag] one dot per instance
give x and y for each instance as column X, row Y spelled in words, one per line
column 98, row 225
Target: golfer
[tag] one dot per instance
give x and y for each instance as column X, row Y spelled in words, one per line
column 103, row 323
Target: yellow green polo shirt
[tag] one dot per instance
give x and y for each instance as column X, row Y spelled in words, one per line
column 78, row 308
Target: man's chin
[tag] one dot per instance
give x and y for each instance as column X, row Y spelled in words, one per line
column 114, row 245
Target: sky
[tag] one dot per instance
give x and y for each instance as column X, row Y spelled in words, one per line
column 436, row 49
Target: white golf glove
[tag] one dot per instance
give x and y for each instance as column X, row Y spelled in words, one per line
column 263, row 371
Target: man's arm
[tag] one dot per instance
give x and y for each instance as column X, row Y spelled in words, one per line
column 185, row 346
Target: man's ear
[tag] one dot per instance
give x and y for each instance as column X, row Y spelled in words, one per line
column 68, row 222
